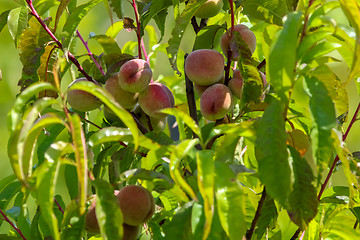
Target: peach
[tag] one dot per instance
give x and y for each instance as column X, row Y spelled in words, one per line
column 200, row 89
column 204, row 66
column 130, row 232
column 236, row 84
column 80, row 100
column 245, row 33
column 135, row 75
column 155, row 98
column 209, row 9
column 215, row 102
column 125, row 98
column 137, row 204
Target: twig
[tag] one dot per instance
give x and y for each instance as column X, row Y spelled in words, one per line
column 58, row 43
column 138, row 33
column 257, row 215
column 323, row 186
column 90, row 53
column 12, row 225
column 58, row 205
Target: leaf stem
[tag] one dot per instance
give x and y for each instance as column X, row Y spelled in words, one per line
column 257, row 215
column 58, row 43
column 12, row 225
column 90, row 53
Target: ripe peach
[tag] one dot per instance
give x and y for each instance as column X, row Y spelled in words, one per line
column 137, row 204
column 81, row 100
column 135, row 75
column 200, row 89
column 246, row 34
column 209, row 9
column 204, row 66
column 156, row 97
column 125, row 98
column 215, row 102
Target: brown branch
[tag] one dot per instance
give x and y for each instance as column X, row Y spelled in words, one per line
column 12, row 225
column 257, row 215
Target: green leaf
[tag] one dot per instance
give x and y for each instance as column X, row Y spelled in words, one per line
column 181, row 118
column 206, row 174
column 268, row 217
column 324, row 120
column 303, row 201
column 29, row 134
column 319, row 50
column 71, row 180
column 180, row 151
column 230, row 202
column 180, row 225
column 207, row 36
column 59, row 12
column 352, row 11
column 309, row 40
column 282, row 57
column 271, row 11
column 109, row 100
column 4, row 19
column 114, row 29
column 271, row 153
column 350, row 177
column 109, row 134
column 156, row 7
column 78, row 139
column 45, row 185
column 17, row 22
column 108, row 44
column 14, row 115
column 118, row 7
column 108, row 213
column 225, row 151
column 178, row 32
column 7, row 193
column 32, row 46
column 73, row 21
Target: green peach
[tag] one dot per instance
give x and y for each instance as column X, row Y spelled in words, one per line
column 80, row 100
column 125, row 98
column 209, row 9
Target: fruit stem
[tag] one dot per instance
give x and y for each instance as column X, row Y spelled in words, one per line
column 47, row 29
column 12, row 225
column 90, row 53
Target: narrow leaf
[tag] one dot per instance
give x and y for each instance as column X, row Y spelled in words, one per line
column 230, row 202
column 282, row 57
column 17, row 22
column 74, row 19
column 271, row 152
column 108, row 212
column 59, row 12
column 178, row 32
column 4, row 19
column 206, row 174
column 80, row 151
column 324, row 120
column 109, row 100
column 303, row 198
